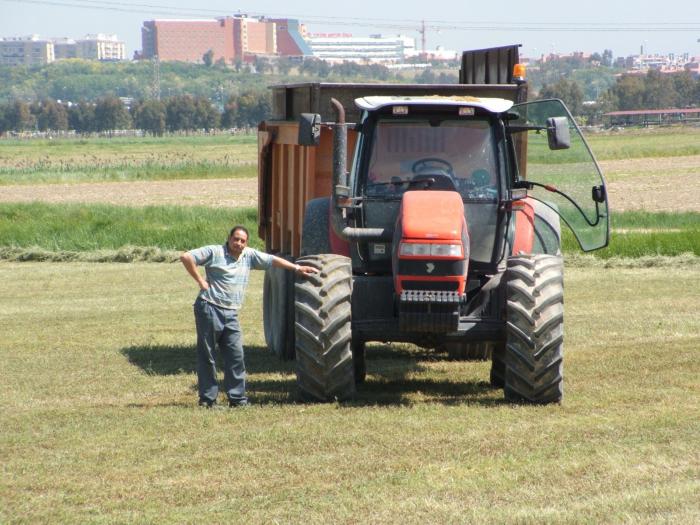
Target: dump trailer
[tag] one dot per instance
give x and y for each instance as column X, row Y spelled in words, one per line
column 433, row 214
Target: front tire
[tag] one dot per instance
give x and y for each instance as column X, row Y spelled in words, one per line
column 534, row 353
column 325, row 369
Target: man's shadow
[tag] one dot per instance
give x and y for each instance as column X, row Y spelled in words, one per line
column 393, row 375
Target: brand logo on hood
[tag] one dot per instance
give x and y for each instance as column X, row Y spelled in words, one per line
column 429, row 267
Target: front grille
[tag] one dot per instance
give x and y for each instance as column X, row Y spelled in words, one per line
column 432, row 267
column 429, row 311
column 446, row 286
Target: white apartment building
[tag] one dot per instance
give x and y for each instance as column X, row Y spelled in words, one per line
column 92, row 47
column 26, row 51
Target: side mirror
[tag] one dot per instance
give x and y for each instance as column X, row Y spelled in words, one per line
column 309, row 129
column 558, row 133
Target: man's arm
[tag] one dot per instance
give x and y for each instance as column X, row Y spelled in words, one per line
column 296, row 268
column 191, row 266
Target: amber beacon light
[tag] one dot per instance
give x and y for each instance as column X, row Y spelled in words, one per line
column 519, row 72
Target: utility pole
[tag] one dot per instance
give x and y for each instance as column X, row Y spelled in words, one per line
column 422, row 36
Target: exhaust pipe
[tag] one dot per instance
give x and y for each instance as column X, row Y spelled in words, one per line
column 341, row 188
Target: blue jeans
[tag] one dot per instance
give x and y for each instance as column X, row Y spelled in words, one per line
column 220, row 326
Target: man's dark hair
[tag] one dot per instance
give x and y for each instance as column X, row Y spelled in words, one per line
column 239, row 227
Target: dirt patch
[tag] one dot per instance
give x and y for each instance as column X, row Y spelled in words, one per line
column 654, row 193
column 654, row 184
column 209, row 192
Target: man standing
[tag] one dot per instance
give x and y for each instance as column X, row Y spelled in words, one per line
column 221, row 294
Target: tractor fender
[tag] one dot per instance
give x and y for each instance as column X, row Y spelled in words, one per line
column 537, row 228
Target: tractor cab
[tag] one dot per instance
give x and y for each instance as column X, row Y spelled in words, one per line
column 445, row 148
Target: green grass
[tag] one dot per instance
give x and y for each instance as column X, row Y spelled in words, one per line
column 644, row 143
column 99, row 423
column 639, row 234
column 85, row 228
column 41, row 228
column 121, row 159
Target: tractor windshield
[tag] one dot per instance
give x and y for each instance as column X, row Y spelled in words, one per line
column 459, row 150
column 408, row 154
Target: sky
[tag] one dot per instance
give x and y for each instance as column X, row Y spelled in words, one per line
column 541, row 27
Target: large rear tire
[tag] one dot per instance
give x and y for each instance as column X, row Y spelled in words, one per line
column 325, row 369
column 278, row 312
column 534, row 355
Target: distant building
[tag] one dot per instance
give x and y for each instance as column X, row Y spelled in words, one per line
column 229, row 38
column 291, row 38
column 92, row 47
column 374, row 48
column 101, row 47
column 65, row 48
column 437, row 54
column 26, row 51
column 252, row 36
column 187, row 40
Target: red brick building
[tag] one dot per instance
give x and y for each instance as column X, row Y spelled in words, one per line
column 291, row 37
column 229, row 38
column 187, row 40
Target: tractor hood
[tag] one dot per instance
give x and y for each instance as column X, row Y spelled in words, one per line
column 432, row 215
column 431, row 244
column 493, row 105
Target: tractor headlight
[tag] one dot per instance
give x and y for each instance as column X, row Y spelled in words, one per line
column 446, row 250
column 436, row 250
column 414, row 248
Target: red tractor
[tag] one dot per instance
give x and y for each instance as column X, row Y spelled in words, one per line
column 434, row 236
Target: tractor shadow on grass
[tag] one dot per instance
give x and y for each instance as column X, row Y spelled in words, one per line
column 396, row 375
column 401, row 375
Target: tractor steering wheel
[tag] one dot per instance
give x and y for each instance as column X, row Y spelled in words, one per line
column 432, row 165
column 432, row 173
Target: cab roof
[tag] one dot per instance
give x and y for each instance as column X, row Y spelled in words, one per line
column 493, row 105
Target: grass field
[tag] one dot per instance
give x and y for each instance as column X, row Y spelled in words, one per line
column 215, row 156
column 121, row 159
column 100, row 425
column 39, row 228
column 83, row 228
column 645, row 143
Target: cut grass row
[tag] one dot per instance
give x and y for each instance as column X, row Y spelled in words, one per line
column 148, row 158
column 88, row 228
column 100, row 425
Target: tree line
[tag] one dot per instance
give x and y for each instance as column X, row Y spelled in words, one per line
column 177, row 113
column 217, row 96
column 594, row 85
column 77, row 79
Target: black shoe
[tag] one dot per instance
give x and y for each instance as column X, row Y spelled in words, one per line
column 238, row 404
